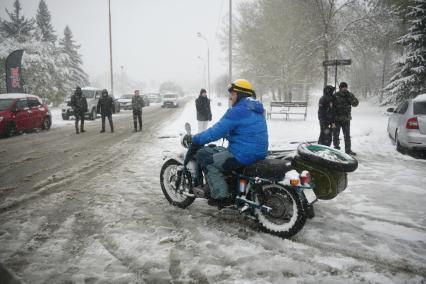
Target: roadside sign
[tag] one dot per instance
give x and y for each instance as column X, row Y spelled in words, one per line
column 337, row 62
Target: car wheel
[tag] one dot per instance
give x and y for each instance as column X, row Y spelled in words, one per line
column 10, row 130
column 46, row 123
column 399, row 147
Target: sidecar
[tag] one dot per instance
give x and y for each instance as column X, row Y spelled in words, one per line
column 328, row 167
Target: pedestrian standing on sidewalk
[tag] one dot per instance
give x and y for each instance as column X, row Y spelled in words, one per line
column 326, row 115
column 105, row 109
column 342, row 105
column 204, row 113
column 79, row 107
column 137, row 105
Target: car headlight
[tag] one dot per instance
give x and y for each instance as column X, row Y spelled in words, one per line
column 1, row 118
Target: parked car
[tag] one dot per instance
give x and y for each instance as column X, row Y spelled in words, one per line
column 116, row 106
column 170, row 100
column 146, row 101
column 92, row 96
column 22, row 112
column 407, row 124
column 126, row 101
column 153, row 97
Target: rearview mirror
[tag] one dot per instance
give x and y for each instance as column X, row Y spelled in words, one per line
column 391, row 109
column 188, row 128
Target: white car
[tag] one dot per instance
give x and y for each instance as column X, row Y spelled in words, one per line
column 92, row 97
column 170, row 100
column 407, row 124
column 126, row 101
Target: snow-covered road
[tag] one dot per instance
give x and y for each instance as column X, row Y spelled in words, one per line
column 119, row 228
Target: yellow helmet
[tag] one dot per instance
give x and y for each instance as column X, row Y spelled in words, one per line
column 242, row 86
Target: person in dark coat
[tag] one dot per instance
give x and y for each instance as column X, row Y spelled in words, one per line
column 105, row 109
column 79, row 106
column 204, row 113
column 342, row 105
column 137, row 105
column 326, row 115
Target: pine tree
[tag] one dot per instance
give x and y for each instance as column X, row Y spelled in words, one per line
column 17, row 27
column 410, row 77
column 43, row 21
column 71, row 60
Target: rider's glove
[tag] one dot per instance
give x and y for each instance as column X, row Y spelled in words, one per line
column 187, row 140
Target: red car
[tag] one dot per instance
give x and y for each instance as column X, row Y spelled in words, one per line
column 22, row 112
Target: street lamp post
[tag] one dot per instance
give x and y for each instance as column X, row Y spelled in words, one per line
column 208, row 58
column 203, row 79
column 122, row 79
column 110, row 47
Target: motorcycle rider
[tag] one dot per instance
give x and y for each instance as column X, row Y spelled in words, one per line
column 104, row 107
column 244, row 126
column 79, row 106
column 326, row 115
column 342, row 105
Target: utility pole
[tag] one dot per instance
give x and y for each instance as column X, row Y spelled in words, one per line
column 110, row 48
column 208, row 59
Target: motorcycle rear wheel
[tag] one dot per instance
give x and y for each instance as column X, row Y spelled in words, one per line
column 168, row 177
column 287, row 217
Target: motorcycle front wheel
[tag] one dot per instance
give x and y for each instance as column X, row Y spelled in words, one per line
column 171, row 171
column 286, row 217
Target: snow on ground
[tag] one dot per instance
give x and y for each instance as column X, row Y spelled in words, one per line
column 374, row 232
column 57, row 120
column 380, row 218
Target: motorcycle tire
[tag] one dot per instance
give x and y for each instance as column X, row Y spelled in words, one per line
column 168, row 176
column 327, row 157
column 283, row 201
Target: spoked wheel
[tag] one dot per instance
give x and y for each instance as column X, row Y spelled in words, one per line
column 286, row 217
column 170, row 173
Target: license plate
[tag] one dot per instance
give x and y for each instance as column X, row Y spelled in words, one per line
column 309, row 195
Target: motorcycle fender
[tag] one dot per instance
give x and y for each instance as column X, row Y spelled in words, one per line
column 175, row 156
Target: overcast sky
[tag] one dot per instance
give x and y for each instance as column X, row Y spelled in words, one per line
column 154, row 40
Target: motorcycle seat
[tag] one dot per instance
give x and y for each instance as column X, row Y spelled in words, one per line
column 273, row 169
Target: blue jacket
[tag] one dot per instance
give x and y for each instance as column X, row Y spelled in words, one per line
column 244, row 126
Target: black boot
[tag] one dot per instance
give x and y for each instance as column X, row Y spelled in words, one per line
column 350, row 152
column 102, row 131
column 221, row 203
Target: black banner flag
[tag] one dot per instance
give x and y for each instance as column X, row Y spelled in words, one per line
column 14, row 72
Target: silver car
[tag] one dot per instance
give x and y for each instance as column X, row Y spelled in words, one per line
column 407, row 124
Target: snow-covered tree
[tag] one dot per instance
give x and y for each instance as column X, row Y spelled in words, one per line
column 44, row 25
column 70, row 59
column 410, row 77
column 17, row 26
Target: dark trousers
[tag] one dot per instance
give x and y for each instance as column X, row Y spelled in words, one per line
column 109, row 120
column 137, row 116
column 325, row 133
column 214, row 161
column 79, row 116
column 346, row 129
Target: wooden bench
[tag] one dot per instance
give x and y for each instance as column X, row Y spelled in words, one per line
column 287, row 108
